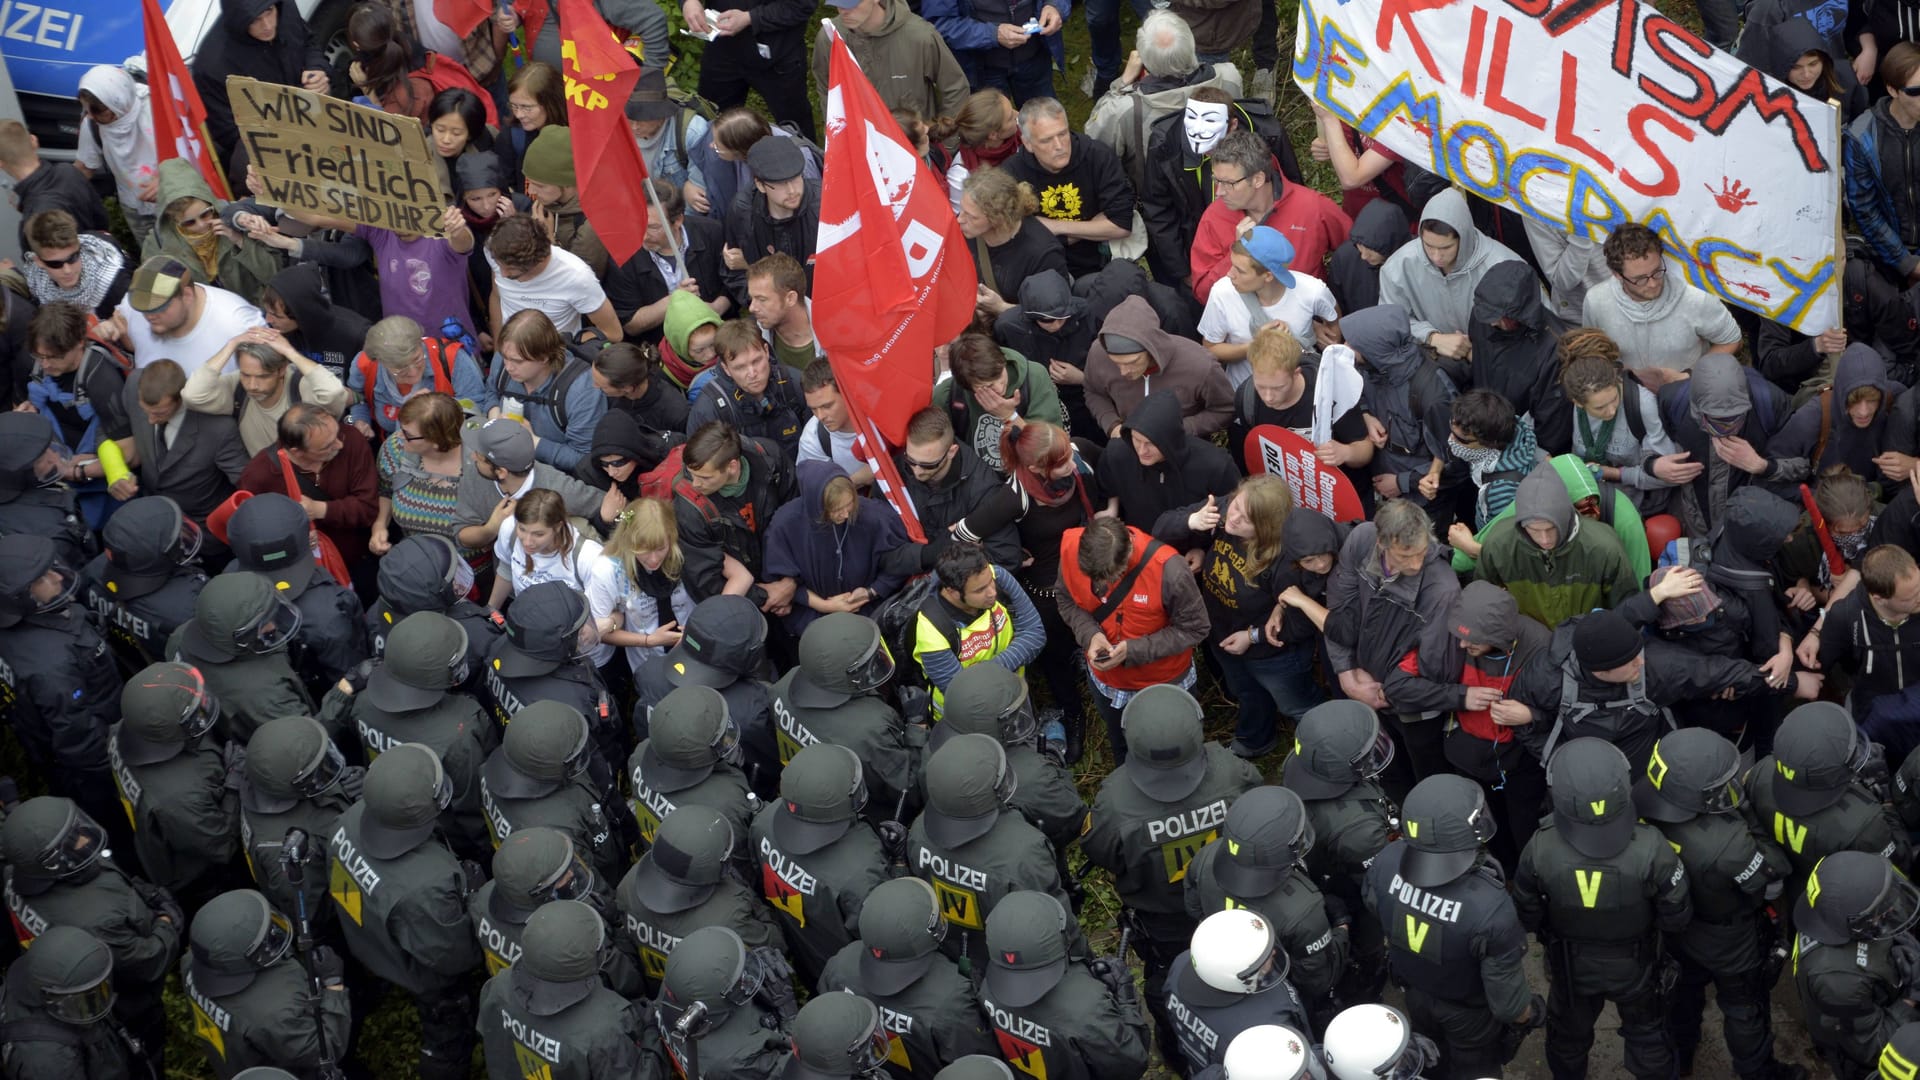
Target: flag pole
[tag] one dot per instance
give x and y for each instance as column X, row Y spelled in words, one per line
column 673, row 242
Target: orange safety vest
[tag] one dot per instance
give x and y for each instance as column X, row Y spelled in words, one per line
column 1140, row 614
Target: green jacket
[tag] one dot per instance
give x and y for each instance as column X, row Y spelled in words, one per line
column 1587, row 569
column 1026, row 381
column 243, row 267
column 1627, row 523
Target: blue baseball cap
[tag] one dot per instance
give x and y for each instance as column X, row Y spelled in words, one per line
column 1271, row 250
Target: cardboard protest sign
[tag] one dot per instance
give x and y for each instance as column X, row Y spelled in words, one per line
column 1585, row 114
column 332, row 157
column 1318, row 487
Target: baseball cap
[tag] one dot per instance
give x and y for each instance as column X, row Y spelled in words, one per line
column 156, row 282
column 649, row 100
column 900, row 933
column 1816, row 754
column 687, row 860
column 968, row 782
column 405, row 791
column 1446, row 823
column 1266, row 832
column 505, row 443
column 1166, row 745
column 1592, row 790
column 821, row 790
column 775, row 158
column 721, row 630
column 1270, row 249
column 1026, row 948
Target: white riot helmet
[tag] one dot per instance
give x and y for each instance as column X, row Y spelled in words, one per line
column 1267, row 1052
column 1236, row 952
column 1376, row 1042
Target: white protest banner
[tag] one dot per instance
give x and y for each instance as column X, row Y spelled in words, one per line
column 338, row 159
column 1589, row 113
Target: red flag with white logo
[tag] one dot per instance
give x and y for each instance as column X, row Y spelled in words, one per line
column 893, row 276
column 179, row 117
column 607, row 165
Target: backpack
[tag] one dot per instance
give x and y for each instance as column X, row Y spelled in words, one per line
column 691, row 105
column 899, row 619
column 439, row 364
column 555, row 397
column 658, row 482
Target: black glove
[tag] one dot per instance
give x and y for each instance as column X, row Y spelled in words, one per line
column 916, row 705
column 1515, row 1034
column 328, row 966
column 1875, row 773
column 776, row 988
column 476, row 875
column 233, row 758
column 162, row 903
column 356, row 679
column 352, row 779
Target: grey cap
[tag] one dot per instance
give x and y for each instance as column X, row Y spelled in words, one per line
column 1166, row 743
column 1446, row 824
column 158, row 708
column 1334, row 745
column 968, row 783
column 560, row 956
column 724, row 639
column 281, row 752
column 1813, row 757
column 820, row 792
column 234, row 937
column 1592, row 789
column 502, row 442
column 1265, row 835
column 831, row 647
column 403, row 798
column 687, row 861
column 684, row 738
column 525, row 867
column 271, row 535
column 1692, row 771
column 900, row 934
column 546, row 746
column 775, row 158
column 836, row 1036
column 425, row 658
column 1026, row 948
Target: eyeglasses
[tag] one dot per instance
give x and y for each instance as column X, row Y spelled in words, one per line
column 409, row 436
column 1220, row 181
column 49, row 359
column 1656, row 274
column 519, row 109
column 55, row 264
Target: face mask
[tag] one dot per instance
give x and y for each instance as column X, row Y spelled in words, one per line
column 1472, row 455
column 1206, row 125
column 1060, row 485
column 1852, row 544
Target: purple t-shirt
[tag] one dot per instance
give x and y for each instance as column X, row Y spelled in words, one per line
column 422, row 278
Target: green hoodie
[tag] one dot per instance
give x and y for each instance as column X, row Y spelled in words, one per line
column 1627, row 524
column 1586, row 569
column 685, row 312
column 243, row 268
column 1025, row 380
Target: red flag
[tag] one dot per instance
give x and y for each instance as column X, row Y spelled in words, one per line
column 893, row 277
column 461, row 16
column 607, row 165
column 179, row 118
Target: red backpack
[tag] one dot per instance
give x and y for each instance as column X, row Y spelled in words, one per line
column 437, row 361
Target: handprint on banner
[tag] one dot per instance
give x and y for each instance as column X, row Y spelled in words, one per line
column 1732, row 195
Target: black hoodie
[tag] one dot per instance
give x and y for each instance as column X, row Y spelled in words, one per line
column 751, row 229
column 1157, row 498
column 1522, row 364
column 1304, row 535
column 1381, row 226
column 230, row 50
column 332, row 335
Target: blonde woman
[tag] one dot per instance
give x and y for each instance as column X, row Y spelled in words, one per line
column 638, row 584
column 1009, row 243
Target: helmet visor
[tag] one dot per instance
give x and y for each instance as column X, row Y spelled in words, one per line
column 87, row 1005
column 726, row 745
column 858, row 796
column 186, row 543
column 1893, row 913
column 443, row 791
column 586, row 639
column 872, row 671
column 53, row 465
column 274, row 942
column 202, row 709
column 77, row 847
column 1018, row 724
column 870, row 1052
column 54, row 589
column 575, row 881
column 1723, row 795
column 753, row 973
column 272, row 630
column 323, row 774
column 1376, row 758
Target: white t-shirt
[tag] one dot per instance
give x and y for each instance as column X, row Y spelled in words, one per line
column 841, row 442
column 566, row 292
column 575, row 571
column 1226, row 319
column 610, row 592
column 222, row 318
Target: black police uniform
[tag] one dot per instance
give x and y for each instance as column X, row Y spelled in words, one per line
column 238, row 639
column 72, row 1034
column 533, row 780
column 550, row 1016
column 295, row 782
column 426, row 573
column 178, row 782
column 987, row 699
column 270, row 536
column 724, row 646
column 833, row 697
column 538, row 658
column 29, row 507
column 684, row 883
column 251, row 1000
column 1206, row 1019
column 691, row 759
column 143, row 585
column 1810, row 797
column 1855, row 959
column 721, row 1012
column 1051, row 1015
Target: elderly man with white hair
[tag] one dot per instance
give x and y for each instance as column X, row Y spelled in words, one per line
column 1160, row 75
column 1085, row 199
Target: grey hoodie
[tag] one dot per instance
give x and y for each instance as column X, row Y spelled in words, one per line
column 1441, row 303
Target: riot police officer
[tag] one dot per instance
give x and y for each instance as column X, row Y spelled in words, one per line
column 834, row 696
column 295, row 786
column 1052, row 1015
column 1691, row 793
column 1259, row 864
column 684, row 883
column 714, row 1011
column 144, row 583
column 547, row 772
column 533, row 866
column 976, row 1067
column 394, row 882
column 1464, row 983
column 724, row 647
column 253, row 1002
column 546, row 654
column 272, row 536
column 1366, row 1042
column 1153, row 814
column 691, row 758
column 551, row 1012
column 59, row 873
column 818, row 858
column 933, row 1012
column 57, row 1014
column 238, row 638
column 1901, row 1056
column 1234, row 977
column 1812, row 795
column 1269, row 1052
column 176, row 779
column 59, row 688
column 425, row 572
column 412, row 696
column 33, row 489
column 1599, row 888
column 1855, row 957
column 1339, row 753
column 987, row 699
column 972, row 851
column 838, row 1037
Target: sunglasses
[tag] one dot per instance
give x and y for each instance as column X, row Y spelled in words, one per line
column 924, row 466
column 1911, row 91
column 55, row 264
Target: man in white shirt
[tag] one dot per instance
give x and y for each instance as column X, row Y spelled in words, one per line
column 830, row 435
column 1257, row 274
column 529, row 272
column 167, row 316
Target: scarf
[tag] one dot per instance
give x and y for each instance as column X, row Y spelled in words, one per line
column 127, row 144
column 206, row 248
column 973, row 157
column 100, row 263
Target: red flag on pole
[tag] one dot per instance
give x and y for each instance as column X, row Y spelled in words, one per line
column 606, row 161
column 179, row 118
column 461, row 16
column 893, row 277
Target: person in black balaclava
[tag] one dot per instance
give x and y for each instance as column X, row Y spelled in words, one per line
column 1353, row 273
column 1171, row 475
column 270, row 536
column 1049, row 327
column 144, row 583
column 426, row 573
column 1515, row 354
column 624, row 448
column 260, row 39
column 298, row 304
column 33, row 489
